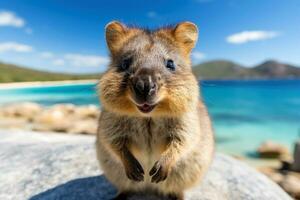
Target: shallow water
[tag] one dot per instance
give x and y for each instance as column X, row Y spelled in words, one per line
column 244, row 113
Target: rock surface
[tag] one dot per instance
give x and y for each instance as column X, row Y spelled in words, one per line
column 288, row 180
column 291, row 184
column 52, row 166
column 296, row 164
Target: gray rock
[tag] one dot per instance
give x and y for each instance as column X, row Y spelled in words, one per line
column 66, row 118
column 26, row 110
column 58, row 166
column 291, row 184
column 270, row 149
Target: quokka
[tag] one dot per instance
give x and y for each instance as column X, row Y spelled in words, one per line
column 154, row 133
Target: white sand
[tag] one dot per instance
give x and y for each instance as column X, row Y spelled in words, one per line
column 45, row 83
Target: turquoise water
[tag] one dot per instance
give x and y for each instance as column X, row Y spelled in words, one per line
column 244, row 113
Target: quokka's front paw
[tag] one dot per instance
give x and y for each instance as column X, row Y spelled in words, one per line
column 134, row 170
column 159, row 171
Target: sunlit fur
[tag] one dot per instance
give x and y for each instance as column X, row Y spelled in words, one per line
column 177, row 134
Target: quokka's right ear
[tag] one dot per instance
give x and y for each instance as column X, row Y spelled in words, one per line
column 115, row 33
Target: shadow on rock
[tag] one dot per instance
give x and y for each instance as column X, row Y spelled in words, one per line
column 91, row 188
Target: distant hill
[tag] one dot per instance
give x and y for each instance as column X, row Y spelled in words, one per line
column 275, row 69
column 219, row 69
column 13, row 73
column 222, row 69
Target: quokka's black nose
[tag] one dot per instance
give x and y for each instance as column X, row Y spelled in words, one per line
column 145, row 86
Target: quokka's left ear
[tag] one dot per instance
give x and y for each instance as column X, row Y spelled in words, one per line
column 186, row 33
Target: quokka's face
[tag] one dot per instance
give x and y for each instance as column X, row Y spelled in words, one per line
column 150, row 72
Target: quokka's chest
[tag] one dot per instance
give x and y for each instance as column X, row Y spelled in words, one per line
column 147, row 135
column 147, row 141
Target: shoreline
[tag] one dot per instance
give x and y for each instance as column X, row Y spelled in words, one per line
column 15, row 85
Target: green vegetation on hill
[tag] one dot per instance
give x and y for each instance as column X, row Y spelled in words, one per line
column 223, row 69
column 219, row 69
column 13, row 73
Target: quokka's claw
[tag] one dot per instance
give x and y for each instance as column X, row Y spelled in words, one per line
column 158, row 172
column 135, row 176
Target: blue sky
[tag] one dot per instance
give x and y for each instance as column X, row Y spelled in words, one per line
column 68, row 36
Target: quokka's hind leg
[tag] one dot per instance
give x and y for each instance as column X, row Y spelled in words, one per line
column 176, row 196
column 122, row 196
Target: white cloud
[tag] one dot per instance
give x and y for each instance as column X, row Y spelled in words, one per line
column 58, row 62
column 15, row 47
column 249, row 36
column 80, row 60
column 151, row 14
column 8, row 18
column 47, row 55
column 197, row 55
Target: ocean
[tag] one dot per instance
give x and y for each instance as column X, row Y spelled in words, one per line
column 244, row 113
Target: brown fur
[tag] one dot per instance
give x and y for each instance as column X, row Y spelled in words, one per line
column 169, row 149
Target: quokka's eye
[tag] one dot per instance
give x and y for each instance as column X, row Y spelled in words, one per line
column 125, row 64
column 170, row 65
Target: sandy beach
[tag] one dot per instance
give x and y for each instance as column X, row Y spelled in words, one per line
column 45, row 83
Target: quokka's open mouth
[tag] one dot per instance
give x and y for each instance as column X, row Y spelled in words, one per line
column 146, row 108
